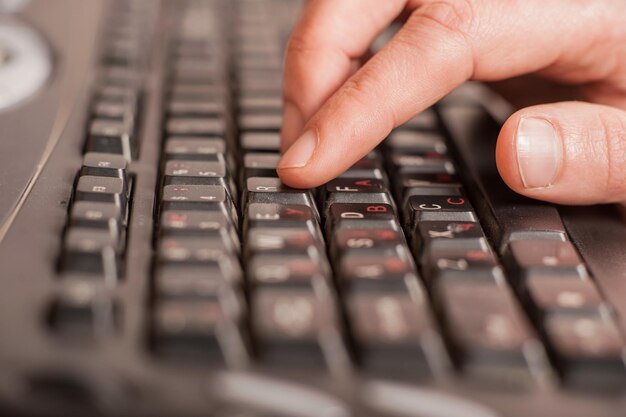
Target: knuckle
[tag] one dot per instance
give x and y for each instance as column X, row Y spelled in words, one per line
column 457, row 16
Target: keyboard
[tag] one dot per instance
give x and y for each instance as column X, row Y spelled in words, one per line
column 153, row 264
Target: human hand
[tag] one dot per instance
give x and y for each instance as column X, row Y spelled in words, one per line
column 570, row 152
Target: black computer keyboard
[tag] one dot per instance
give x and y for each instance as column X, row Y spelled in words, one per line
column 189, row 281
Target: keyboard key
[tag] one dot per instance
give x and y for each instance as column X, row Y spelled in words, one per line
column 193, row 329
column 370, row 166
column 359, row 215
column 417, row 164
column 199, row 173
column 291, row 324
column 258, row 164
column 282, row 240
column 198, row 197
column 104, row 165
column 110, row 136
column 381, row 269
column 354, row 190
column 550, row 256
column 280, row 215
column 94, row 252
column 203, row 149
column 260, row 141
column 200, row 126
column 394, row 333
column 407, row 141
column 100, row 216
column 83, row 311
column 443, row 235
column 345, row 239
column 288, row 269
column 438, row 208
column 551, row 294
column 463, row 261
column 103, row 190
column 260, row 122
column 493, row 338
column 590, row 348
column 182, row 107
column 273, row 191
column 208, row 282
column 193, row 249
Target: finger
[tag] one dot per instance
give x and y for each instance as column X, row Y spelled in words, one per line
column 442, row 44
column 567, row 153
column 326, row 44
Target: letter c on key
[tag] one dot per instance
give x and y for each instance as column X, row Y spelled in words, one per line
column 457, row 202
column 429, row 207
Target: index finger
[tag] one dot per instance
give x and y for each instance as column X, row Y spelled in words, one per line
column 329, row 36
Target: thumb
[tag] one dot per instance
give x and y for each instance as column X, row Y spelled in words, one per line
column 566, row 153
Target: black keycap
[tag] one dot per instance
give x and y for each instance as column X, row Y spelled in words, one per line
column 201, row 126
column 261, row 122
column 196, row 108
column 272, row 190
column 550, row 294
column 110, row 136
column 260, row 141
column 359, row 215
column 260, row 164
column 590, row 349
column 92, row 251
column 208, row 282
column 191, row 149
column 104, row 165
column 103, row 190
column 260, row 103
column 409, row 184
column 354, row 190
column 189, row 328
column 198, row 197
column 551, row 256
column 394, row 333
column 114, row 110
column 198, row 173
column 282, row 240
column 415, row 142
column 493, row 338
column 101, row 216
column 83, row 311
column 461, row 261
column 199, row 223
column 369, row 166
column 438, row 208
column 384, row 268
column 288, row 324
column 280, row 215
column 288, row 269
column 418, row 164
column 442, row 235
column 345, row 239
column 193, row 249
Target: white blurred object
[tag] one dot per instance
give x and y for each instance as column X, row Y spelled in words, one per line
column 25, row 62
column 12, row 5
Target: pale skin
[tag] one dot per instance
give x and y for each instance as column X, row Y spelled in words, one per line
column 337, row 110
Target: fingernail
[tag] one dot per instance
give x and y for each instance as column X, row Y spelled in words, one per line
column 539, row 152
column 300, row 152
column 292, row 123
